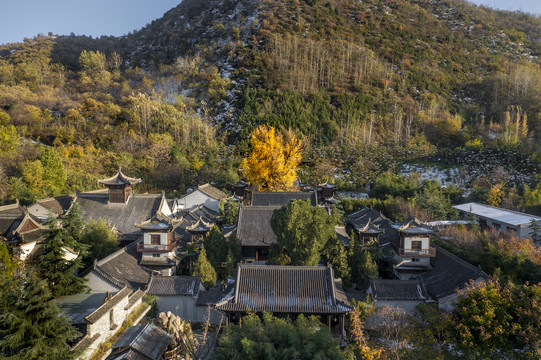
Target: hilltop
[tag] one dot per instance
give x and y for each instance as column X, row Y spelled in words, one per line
column 362, row 82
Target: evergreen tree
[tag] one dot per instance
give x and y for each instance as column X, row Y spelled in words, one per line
column 59, row 272
column 54, row 174
column 366, row 269
column 204, row 269
column 31, row 326
column 337, row 255
column 277, row 338
column 302, row 231
column 536, row 231
column 74, row 225
column 101, row 239
column 216, row 249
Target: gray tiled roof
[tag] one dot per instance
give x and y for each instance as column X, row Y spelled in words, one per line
column 56, row 205
column 214, row 295
column 414, row 227
column 281, row 198
column 285, row 289
column 147, row 340
column 386, row 289
column 254, row 225
column 122, row 267
column 191, row 217
column 366, row 216
column 120, row 179
column 449, row 273
column 173, row 285
column 212, row 191
column 85, row 342
column 123, row 217
column 9, row 214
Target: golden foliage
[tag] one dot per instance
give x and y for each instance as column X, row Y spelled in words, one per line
column 359, row 338
column 272, row 164
column 495, row 195
column 514, row 245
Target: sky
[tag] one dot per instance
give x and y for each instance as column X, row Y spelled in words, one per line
column 28, row 18
column 528, row 6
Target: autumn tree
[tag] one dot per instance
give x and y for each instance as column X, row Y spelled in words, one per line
column 491, row 320
column 273, row 160
column 359, row 342
column 495, row 195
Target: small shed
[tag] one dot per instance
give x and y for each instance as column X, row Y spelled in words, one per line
column 405, row 294
column 178, row 294
column 142, row 342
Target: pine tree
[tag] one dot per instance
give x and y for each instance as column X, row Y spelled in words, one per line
column 216, row 248
column 536, row 231
column 31, row 326
column 367, row 269
column 59, row 272
column 204, row 269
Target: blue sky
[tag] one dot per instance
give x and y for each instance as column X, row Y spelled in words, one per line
column 27, row 18
column 529, row 6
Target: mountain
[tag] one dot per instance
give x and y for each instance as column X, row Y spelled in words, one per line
column 362, row 82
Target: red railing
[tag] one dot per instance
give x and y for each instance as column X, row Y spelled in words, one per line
column 141, row 247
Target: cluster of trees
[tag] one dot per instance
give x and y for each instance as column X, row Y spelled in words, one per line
column 218, row 258
column 306, row 235
column 31, row 326
column 278, row 338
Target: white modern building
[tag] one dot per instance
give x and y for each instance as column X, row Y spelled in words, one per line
column 500, row 219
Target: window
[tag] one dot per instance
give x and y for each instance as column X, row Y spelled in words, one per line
column 416, row 245
column 155, row 255
column 496, row 225
column 414, row 259
column 154, row 239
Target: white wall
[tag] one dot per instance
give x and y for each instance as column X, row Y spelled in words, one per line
column 184, row 306
column 146, row 238
column 425, row 243
column 26, row 249
column 197, row 198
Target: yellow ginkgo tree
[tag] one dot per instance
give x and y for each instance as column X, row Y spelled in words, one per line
column 273, row 161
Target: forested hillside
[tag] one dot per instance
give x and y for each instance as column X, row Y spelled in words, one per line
column 362, row 83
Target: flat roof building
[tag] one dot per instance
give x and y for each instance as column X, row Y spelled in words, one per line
column 500, row 219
